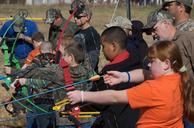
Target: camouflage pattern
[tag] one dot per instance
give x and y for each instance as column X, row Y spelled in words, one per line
column 185, row 26
column 54, row 32
column 120, row 21
column 81, row 8
column 185, row 2
column 81, row 73
column 19, row 23
column 47, row 70
column 51, row 14
column 49, row 73
column 155, row 16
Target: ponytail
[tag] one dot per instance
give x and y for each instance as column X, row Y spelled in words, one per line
column 188, row 96
column 169, row 50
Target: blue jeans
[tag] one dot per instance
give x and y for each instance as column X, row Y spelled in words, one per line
column 187, row 124
column 83, row 125
column 39, row 119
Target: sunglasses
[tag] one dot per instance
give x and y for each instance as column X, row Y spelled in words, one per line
column 79, row 17
column 149, row 31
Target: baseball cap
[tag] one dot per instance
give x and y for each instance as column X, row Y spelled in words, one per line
column 185, row 2
column 81, row 8
column 18, row 26
column 155, row 16
column 120, row 21
column 51, row 14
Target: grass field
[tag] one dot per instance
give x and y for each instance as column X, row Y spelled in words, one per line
column 101, row 16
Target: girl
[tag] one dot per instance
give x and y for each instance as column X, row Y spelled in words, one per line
column 162, row 101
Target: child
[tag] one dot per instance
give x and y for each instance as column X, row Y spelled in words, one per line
column 74, row 55
column 37, row 39
column 43, row 75
column 163, row 100
column 114, row 49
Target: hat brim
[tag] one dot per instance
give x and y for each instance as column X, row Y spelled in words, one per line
column 166, row 3
column 49, row 21
column 108, row 25
column 111, row 25
column 149, row 26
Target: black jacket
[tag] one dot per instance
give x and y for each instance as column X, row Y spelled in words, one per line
column 121, row 115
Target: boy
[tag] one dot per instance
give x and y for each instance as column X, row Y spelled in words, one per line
column 114, row 49
column 44, row 72
column 37, row 39
column 43, row 78
column 78, row 70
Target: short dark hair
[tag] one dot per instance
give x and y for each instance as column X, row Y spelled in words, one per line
column 38, row 36
column 115, row 34
column 77, row 50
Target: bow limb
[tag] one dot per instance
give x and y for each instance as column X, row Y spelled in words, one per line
column 7, row 79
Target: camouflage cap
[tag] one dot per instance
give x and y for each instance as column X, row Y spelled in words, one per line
column 156, row 16
column 188, row 3
column 51, row 14
column 81, row 8
column 120, row 21
column 18, row 26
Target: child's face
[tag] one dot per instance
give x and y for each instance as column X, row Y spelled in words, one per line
column 69, row 59
column 36, row 43
column 108, row 49
column 157, row 67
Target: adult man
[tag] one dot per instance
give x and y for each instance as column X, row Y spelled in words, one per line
column 57, row 22
column 87, row 35
column 161, row 24
column 15, row 35
column 180, row 10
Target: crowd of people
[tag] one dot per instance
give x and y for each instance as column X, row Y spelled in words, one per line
column 139, row 86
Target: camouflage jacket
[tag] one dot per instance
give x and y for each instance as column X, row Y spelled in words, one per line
column 47, row 75
column 185, row 26
column 81, row 73
column 54, row 32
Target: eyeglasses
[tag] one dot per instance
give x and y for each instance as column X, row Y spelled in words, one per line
column 79, row 17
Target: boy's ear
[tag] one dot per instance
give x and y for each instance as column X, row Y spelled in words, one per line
column 114, row 44
column 72, row 58
column 166, row 64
